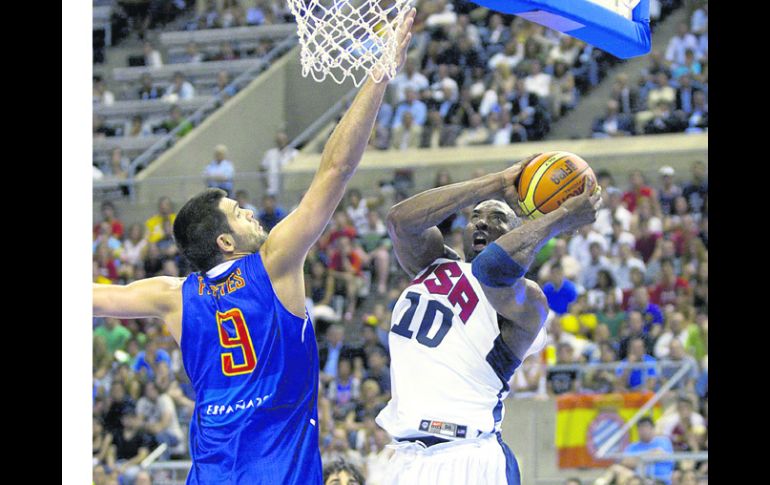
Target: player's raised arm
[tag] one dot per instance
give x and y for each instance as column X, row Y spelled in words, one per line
column 288, row 243
column 151, row 297
column 500, row 268
column 412, row 222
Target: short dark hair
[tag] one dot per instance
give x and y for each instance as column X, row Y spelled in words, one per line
column 197, row 226
column 645, row 420
column 341, row 465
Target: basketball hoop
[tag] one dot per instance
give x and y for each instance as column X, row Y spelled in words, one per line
column 349, row 38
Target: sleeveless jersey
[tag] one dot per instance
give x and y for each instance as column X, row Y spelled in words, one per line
column 449, row 365
column 254, row 368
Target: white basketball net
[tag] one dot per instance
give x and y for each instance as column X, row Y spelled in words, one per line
column 348, row 38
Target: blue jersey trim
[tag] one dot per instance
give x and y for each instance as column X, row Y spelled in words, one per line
column 512, row 472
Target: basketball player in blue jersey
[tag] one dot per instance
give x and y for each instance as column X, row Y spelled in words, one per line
column 461, row 328
column 247, row 343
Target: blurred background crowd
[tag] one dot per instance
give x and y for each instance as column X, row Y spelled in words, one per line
column 630, row 289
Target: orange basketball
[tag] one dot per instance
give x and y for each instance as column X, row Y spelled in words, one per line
column 550, row 179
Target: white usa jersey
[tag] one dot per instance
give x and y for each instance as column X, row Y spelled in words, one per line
column 449, row 366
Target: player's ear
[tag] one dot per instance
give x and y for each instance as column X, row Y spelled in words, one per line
column 226, row 243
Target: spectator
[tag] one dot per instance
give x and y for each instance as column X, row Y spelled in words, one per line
column 697, row 190
column 147, row 89
column 108, row 216
column 637, row 189
column 611, row 314
column 377, row 368
column 675, row 330
column 155, row 224
column 679, row 44
column 192, row 55
column 118, row 404
column 538, row 82
column 625, row 95
column 220, row 172
column 698, row 337
column 147, row 361
column 669, row 286
column 152, row 57
column 647, row 443
column 407, row 134
column 101, row 129
column 615, row 210
column 342, row 464
column 274, row 160
column 176, row 119
column 331, row 351
column 223, row 86
column 597, row 262
column 408, row 79
column 131, row 446
column 569, row 265
column 271, row 213
column 661, row 92
column 562, row 381
column 412, row 105
column 179, row 90
column 637, row 379
column 115, row 335
column 677, row 355
column 319, row 286
column 526, row 381
column 101, row 94
column 613, row 123
column 476, row 134
column 528, row 111
column 685, row 427
column 699, row 118
column 650, row 311
column 665, row 120
column 138, row 127
column 159, row 416
column 559, row 291
column 377, row 459
column 634, row 330
column 345, row 265
column 669, row 191
column 244, row 200
column 376, row 246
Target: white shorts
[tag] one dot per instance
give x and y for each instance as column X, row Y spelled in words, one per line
column 486, row 460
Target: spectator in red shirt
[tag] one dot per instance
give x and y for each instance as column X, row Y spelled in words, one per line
column 637, row 189
column 340, row 225
column 108, row 215
column 345, row 266
column 646, row 240
column 669, row 285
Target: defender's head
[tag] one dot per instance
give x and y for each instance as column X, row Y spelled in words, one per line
column 489, row 220
column 212, row 228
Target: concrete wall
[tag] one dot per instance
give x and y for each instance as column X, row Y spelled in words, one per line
column 280, row 98
column 620, row 156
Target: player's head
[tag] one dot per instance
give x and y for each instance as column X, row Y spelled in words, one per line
column 340, row 472
column 489, row 220
column 211, row 228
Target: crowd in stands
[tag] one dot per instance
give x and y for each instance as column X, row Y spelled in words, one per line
column 670, row 94
column 631, row 288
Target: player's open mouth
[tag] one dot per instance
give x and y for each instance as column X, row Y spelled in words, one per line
column 479, row 241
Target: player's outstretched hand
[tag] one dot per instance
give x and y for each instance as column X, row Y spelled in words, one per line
column 582, row 209
column 403, row 37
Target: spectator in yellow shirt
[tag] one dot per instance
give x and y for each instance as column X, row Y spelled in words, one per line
column 154, row 224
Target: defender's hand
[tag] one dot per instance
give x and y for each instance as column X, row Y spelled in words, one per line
column 582, row 209
column 403, row 37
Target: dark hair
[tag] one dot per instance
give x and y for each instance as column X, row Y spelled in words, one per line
column 341, row 465
column 197, row 226
column 645, row 420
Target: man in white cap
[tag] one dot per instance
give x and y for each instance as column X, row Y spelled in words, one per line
column 669, row 191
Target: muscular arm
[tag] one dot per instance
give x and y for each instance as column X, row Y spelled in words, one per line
column 159, row 297
column 412, row 222
column 285, row 248
column 524, row 304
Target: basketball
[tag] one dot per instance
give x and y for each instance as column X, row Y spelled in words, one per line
column 550, row 179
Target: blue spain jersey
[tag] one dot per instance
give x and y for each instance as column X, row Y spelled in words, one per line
column 254, row 368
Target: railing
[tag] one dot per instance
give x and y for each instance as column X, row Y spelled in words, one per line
column 169, row 472
column 198, row 116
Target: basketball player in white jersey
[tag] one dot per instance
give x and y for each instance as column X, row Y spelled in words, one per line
column 462, row 327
